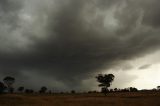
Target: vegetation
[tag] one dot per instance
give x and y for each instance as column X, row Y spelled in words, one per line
column 43, row 89
column 29, row 91
column 158, row 87
column 114, row 97
column 105, row 81
column 9, row 82
column 21, row 89
column 73, row 91
column 2, row 87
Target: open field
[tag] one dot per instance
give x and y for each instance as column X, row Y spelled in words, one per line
column 112, row 99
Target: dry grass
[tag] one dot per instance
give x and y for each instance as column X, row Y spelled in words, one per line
column 112, row 99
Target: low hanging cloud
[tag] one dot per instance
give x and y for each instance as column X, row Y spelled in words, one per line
column 145, row 66
column 68, row 41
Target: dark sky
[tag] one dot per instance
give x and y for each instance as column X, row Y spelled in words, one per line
column 61, row 43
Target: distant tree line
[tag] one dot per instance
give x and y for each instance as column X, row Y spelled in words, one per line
column 105, row 81
column 7, row 87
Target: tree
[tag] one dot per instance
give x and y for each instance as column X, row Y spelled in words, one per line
column 21, row 89
column 105, row 81
column 9, row 82
column 73, row 91
column 133, row 89
column 29, row 91
column 158, row 87
column 43, row 89
column 115, row 89
column 2, row 87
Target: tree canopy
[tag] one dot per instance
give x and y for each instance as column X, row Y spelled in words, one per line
column 105, row 81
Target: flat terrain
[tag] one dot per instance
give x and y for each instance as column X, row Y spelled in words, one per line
column 112, row 99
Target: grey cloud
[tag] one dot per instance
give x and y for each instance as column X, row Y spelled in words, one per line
column 151, row 14
column 126, row 66
column 8, row 12
column 145, row 66
column 124, row 80
column 75, row 42
column 9, row 23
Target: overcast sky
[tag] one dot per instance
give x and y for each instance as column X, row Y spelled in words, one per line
column 64, row 44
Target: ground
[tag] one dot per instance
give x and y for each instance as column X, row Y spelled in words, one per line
column 112, row 99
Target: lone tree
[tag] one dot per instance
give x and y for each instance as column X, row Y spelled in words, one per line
column 2, row 87
column 9, row 82
column 43, row 89
column 21, row 89
column 105, row 81
column 158, row 87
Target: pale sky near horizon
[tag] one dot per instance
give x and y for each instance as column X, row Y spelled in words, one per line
column 145, row 73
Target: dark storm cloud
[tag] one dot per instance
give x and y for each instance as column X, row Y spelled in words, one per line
column 151, row 16
column 9, row 22
column 81, row 38
column 8, row 11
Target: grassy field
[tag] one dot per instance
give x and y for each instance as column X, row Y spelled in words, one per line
column 112, row 99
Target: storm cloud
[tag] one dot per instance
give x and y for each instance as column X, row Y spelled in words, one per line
column 68, row 41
